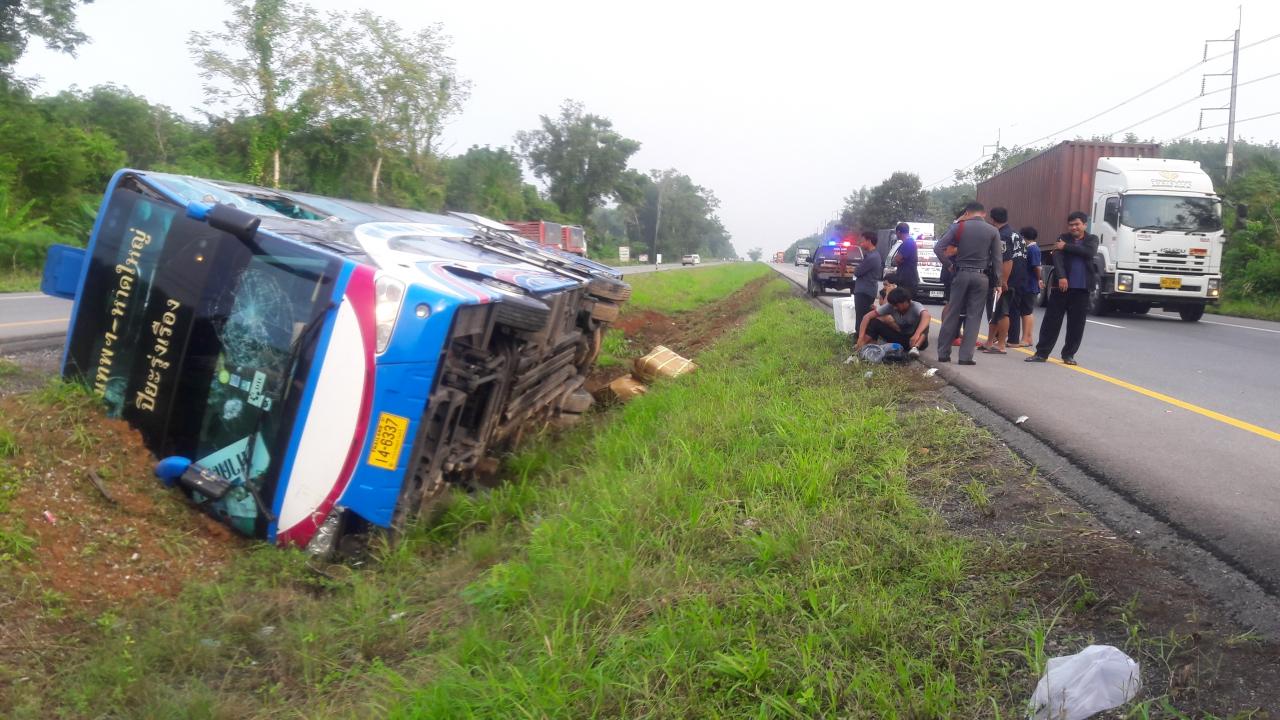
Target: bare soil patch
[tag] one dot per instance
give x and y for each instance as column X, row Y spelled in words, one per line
column 78, row 553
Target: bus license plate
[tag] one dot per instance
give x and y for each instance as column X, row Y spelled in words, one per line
column 1168, row 283
column 388, row 438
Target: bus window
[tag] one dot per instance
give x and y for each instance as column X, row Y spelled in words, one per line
column 195, row 338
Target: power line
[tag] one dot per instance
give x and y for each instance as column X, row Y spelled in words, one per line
column 1211, row 127
column 953, row 173
column 1157, row 86
column 1188, row 102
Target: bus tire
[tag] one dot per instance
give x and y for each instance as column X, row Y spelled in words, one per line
column 521, row 313
column 609, row 289
column 605, row 312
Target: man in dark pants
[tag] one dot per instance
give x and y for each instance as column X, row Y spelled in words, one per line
column 977, row 245
column 1073, row 263
column 866, row 281
column 998, row 309
column 904, row 263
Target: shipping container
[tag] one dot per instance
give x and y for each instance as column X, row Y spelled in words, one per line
column 1044, row 189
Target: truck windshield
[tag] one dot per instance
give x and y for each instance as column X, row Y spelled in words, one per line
column 1169, row 212
column 195, row 338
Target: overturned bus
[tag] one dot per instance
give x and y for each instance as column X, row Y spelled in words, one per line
column 311, row 368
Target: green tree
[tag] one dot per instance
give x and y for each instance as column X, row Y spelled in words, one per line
column 854, row 205
column 946, row 202
column 403, row 82
column 486, row 181
column 151, row 136
column 898, row 198
column 755, row 253
column 580, row 156
column 256, row 65
column 687, row 222
column 1002, row 159
column 52, row 21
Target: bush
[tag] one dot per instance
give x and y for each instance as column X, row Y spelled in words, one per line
column 25, row 249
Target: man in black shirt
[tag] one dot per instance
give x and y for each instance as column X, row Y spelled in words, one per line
column 998, row 307
column 1073, row 265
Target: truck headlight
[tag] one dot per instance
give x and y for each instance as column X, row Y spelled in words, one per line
column 388, row 294
column 1214, row 284
column 1125, row 282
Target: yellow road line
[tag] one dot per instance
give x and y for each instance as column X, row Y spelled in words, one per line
column 1212, row 415
column 33, row 322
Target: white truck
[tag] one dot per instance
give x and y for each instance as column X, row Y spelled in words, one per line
column 1158, row 221
column 1159, row 224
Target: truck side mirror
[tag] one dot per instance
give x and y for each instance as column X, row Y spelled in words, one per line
column 1242, row 215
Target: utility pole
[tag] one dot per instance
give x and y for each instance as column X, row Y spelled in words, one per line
column 657, row 220
column 1231, row 114
column 1231, row 104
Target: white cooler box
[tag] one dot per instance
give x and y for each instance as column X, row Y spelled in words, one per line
column 845, row 314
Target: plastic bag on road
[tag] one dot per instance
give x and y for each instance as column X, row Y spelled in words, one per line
column 1075, row 687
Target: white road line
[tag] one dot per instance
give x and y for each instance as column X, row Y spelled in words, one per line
column 1244, row 327
column 31, row 296
column 1234, row 325
column 1099, row 322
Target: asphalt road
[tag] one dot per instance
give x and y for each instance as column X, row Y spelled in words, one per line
column 35, row 319
column 32, row 316
column 1181, row 418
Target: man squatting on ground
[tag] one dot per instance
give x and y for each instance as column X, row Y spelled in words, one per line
column 977, row 246
column 901, row 320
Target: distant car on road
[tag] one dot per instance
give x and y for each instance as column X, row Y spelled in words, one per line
column 832, row 267
column 690, row 260
column 802, row 257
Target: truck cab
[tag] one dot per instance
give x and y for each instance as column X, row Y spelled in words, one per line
column 1159, row 225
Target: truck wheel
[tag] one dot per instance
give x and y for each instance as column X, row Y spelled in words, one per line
column 1098, row 304
column 1191, row 313
column 811, row 287
column 1141, row 309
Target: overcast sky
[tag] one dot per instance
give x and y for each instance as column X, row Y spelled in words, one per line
column 783, row 108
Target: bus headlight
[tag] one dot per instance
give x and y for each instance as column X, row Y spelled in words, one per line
column 388, row 294
column 1125, row 282
column 1214, row 284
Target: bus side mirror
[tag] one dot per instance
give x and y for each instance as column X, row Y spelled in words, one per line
column 234, row 221
column 62, row 267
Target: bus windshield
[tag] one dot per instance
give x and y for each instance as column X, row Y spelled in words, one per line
column 1170, row 212
column 196, row 339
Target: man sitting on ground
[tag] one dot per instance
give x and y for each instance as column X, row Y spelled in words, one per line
column 902, row 320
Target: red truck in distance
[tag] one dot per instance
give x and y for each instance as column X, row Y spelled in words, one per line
column 570, row 238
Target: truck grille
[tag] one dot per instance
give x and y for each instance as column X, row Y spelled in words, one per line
column 1182, row 264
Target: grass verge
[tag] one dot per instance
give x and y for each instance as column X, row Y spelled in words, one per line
column 679, row 291
column 19, row 281
column 1256, row 309
column 752, row 540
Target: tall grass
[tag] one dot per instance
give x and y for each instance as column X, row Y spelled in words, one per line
column 677, row 291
